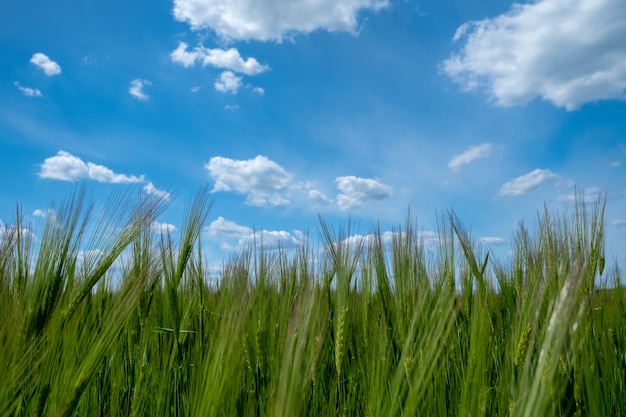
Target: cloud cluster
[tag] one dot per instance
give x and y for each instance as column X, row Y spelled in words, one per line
column 228, row 231
column 355, row 191
column 266, row 183
column 262, row 181
column 9, row 232
column 136, row 89
column 228, row 59
column 428, row 238
column 27, row 91
column 470, row 155
column 272, row 19
column 566, row 52
column 45, row 64
column 529, row 182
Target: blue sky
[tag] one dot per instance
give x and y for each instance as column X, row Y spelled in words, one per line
column 352, row 109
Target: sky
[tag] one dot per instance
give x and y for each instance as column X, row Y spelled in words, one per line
column 354, row 110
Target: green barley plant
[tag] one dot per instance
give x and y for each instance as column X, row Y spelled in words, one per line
column 100, row 315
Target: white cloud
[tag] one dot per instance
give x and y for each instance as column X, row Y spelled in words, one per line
column 228, row 82
column 44, row 63
column 164, row 228
column 470, row 155
column 586, row 195
column 319, row 197
column 103, row 174
column 229, row 59
column 428, row 238
column 272, row 19
column 27, row 91
column 227, row 230
column 150, row 189
column 136, row 89
column 67, row 167
column 528, row 182
column 355, row 191
column 262, row 181
column 258, row 90
column 365, row 240
column 566, row 52
column 618, row 222
column 9, row 231
column 39, row 213
column 492, row 241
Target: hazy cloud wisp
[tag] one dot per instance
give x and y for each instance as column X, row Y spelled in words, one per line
column 528, row 182
column 470, row 155
column 27, row 91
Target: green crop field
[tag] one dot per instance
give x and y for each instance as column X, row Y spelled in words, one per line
column 101, row 316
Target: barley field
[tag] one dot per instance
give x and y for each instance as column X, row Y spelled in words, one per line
column 101, row 316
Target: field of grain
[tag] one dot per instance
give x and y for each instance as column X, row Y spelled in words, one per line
column 101, row 316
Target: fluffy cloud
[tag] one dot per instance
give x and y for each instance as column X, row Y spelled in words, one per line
column 428, row 238
column 228, row 82
column 355, row 191
column 272, row 19
column 229, row 59
column 67, row 167
column 150, row 189
column 164, row 228
column 319, row 197
column 27, row 91
column 262, row 181
column 44, row 63
column 39, row 213
column 492, row 241
column 529, row 182
column 470, row 155
column 227, row 230
column 136, row 89
column 566, row 52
